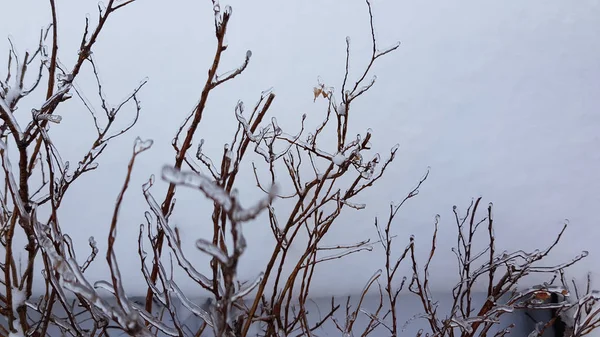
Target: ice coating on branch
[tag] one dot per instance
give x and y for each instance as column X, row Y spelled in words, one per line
column 354, row 205
column 216, row 193
column 239, row 110
column 367, row 173
column 240, row 245
column 501, row 309
column 152, row 320
column 338, row 159
column 72, row 279
column 228, row 152
column 536, row 253
column 18, row 299
column 48, row 117
column 191, row 306
column 372, row 279
column 12, row 183
column 101, row 6
column 205, row 159
column 162, row 223
column 365, row 87
column 537, row 331
column 58, row 95
column 342, row 109
column 142, row 145
column 276, row 127
column 104, row 285
column 247, row 289
column 192, row 179
column 9, row 113
column 458, row 322
column 210, row 249
column 92, row 166
column 95, row 151
column 92, row 243
column 375, row 160
column 139, row 311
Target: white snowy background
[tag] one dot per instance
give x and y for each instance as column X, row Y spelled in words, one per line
column 499, row 98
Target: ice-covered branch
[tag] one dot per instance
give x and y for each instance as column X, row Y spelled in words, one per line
column 216, row 193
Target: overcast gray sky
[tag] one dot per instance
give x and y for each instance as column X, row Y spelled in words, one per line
column 499, row 98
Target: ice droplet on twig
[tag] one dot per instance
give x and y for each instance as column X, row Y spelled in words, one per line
column 585, row 253
column 93, row 244
column 142, row 145
column 252, row 212
column 101, row 6
column 342, row 109
column 367, row 174
column 276, row 128
column 190, row 305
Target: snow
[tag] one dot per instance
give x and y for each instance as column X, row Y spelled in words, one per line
column 338, row 159
column 18, row 333
column 13, row 93
column 18, row 299
column 11, row 117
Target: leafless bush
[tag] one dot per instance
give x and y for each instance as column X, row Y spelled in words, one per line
column 500, row 272
column 325, row 179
